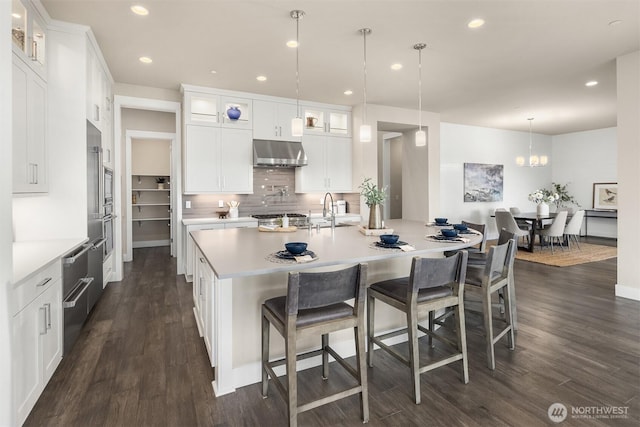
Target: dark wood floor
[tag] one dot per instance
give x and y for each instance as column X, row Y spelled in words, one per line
column 140, row 362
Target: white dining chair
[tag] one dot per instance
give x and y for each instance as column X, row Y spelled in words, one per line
column 572, row 229
column 555, row 231
column 505, row 221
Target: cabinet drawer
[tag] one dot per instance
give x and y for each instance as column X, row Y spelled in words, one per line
column 30, row 288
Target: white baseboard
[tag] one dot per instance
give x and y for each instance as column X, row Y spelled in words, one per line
column 151, row 243
column 628, row 292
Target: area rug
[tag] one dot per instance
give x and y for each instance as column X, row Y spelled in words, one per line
column 564, row 258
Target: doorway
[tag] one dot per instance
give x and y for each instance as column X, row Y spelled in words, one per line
column 150, row 197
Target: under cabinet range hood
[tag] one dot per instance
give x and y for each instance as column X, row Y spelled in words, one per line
column 269, row 153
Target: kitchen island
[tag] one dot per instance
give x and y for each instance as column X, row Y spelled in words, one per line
column 236, row 273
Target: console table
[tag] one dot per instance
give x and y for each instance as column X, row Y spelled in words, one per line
column 597, row 213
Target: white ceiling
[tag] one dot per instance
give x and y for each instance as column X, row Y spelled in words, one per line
column 531, row 58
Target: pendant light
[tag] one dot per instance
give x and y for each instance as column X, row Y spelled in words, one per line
column 421, row 136
column 534, row 160
column 296, row 123
column 365, row 129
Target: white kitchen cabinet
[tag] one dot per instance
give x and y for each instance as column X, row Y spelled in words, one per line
column 36, row 335
column 209, row 109
column 326, row 121
column 218, row 160
column 29, row 35
column 99, row 102
column 30, row 173
column 272, row 120
column 329, row 165
column 202, row 300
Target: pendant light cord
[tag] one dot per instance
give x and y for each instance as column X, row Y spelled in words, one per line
column 419, row 47
column 530, row 138
column 364, row 91
column 298, row 63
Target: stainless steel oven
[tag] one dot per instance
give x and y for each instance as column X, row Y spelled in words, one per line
column 108, row 187
column 107, row 228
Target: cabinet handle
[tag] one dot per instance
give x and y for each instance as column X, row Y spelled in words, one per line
column 34, row 50
column 47, row 311
column 200, row 286
column 43, row 282
column 35, row 176
column 43, row 310
column 280, row 129
column 96, row 112
column 224, row 182
column 275, row 131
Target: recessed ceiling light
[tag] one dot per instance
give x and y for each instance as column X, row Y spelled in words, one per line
column 261, row 78
column 139, row 10
column 616, row 22
column 591, row 83
column 145, row 60
column 213, row 72
column 476, row 23
column 348, row 92
column 292, row 43
column 396, row 67
column 16, row 15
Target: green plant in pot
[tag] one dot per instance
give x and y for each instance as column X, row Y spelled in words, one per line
column 564, row 198
column 374, row 197
column 160, row 181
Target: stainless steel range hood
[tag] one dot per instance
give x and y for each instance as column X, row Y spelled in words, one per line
column 268, row 153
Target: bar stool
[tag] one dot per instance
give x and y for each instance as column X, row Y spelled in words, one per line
column 315, row 305
column 495, row 277
column 433, row 284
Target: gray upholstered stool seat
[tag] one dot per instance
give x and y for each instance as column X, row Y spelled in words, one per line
column 278, row 306
column 397, row 289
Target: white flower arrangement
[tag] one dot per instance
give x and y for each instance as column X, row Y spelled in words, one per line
column 543, row 195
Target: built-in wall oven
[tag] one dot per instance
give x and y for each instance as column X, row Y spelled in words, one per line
column 108, row 216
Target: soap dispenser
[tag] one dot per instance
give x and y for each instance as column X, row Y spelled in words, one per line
column 285, row 221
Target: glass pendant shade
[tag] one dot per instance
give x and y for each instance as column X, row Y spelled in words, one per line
column 533, row 160
column 544, row 160
column 520, row 161
column 421, row 138
column 365, row 133
column 296, row 126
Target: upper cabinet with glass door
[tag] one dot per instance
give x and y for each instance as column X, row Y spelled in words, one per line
column 326, row 121
column 29, row 34
column 217, row 110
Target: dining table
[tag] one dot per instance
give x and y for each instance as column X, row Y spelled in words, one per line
column 536, row 222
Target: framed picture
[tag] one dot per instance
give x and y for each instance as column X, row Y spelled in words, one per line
column 483, row 182
column 605, row 195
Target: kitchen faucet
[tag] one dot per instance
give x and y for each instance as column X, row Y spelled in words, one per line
column 324, row 209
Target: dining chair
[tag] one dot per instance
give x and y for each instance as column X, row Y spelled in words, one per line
column 555, row 231
column 573, row 227
column 523, row 224
column 315, row 304
column 433, row 284
column 495, row 278
column 505, row 220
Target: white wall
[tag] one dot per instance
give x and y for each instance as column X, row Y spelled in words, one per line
column 6, row 239
column 628, row 70
column 582, row 158
column 62, row 213
column 461, row 144
column 421, row 177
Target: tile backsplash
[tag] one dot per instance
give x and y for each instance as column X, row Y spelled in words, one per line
column 273, row 192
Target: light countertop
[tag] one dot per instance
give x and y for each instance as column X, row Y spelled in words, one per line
column 31, row 256
column 216, row 220
column 243, row 252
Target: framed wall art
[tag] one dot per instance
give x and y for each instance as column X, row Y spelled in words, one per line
column 483, row 182
column 605, row 195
